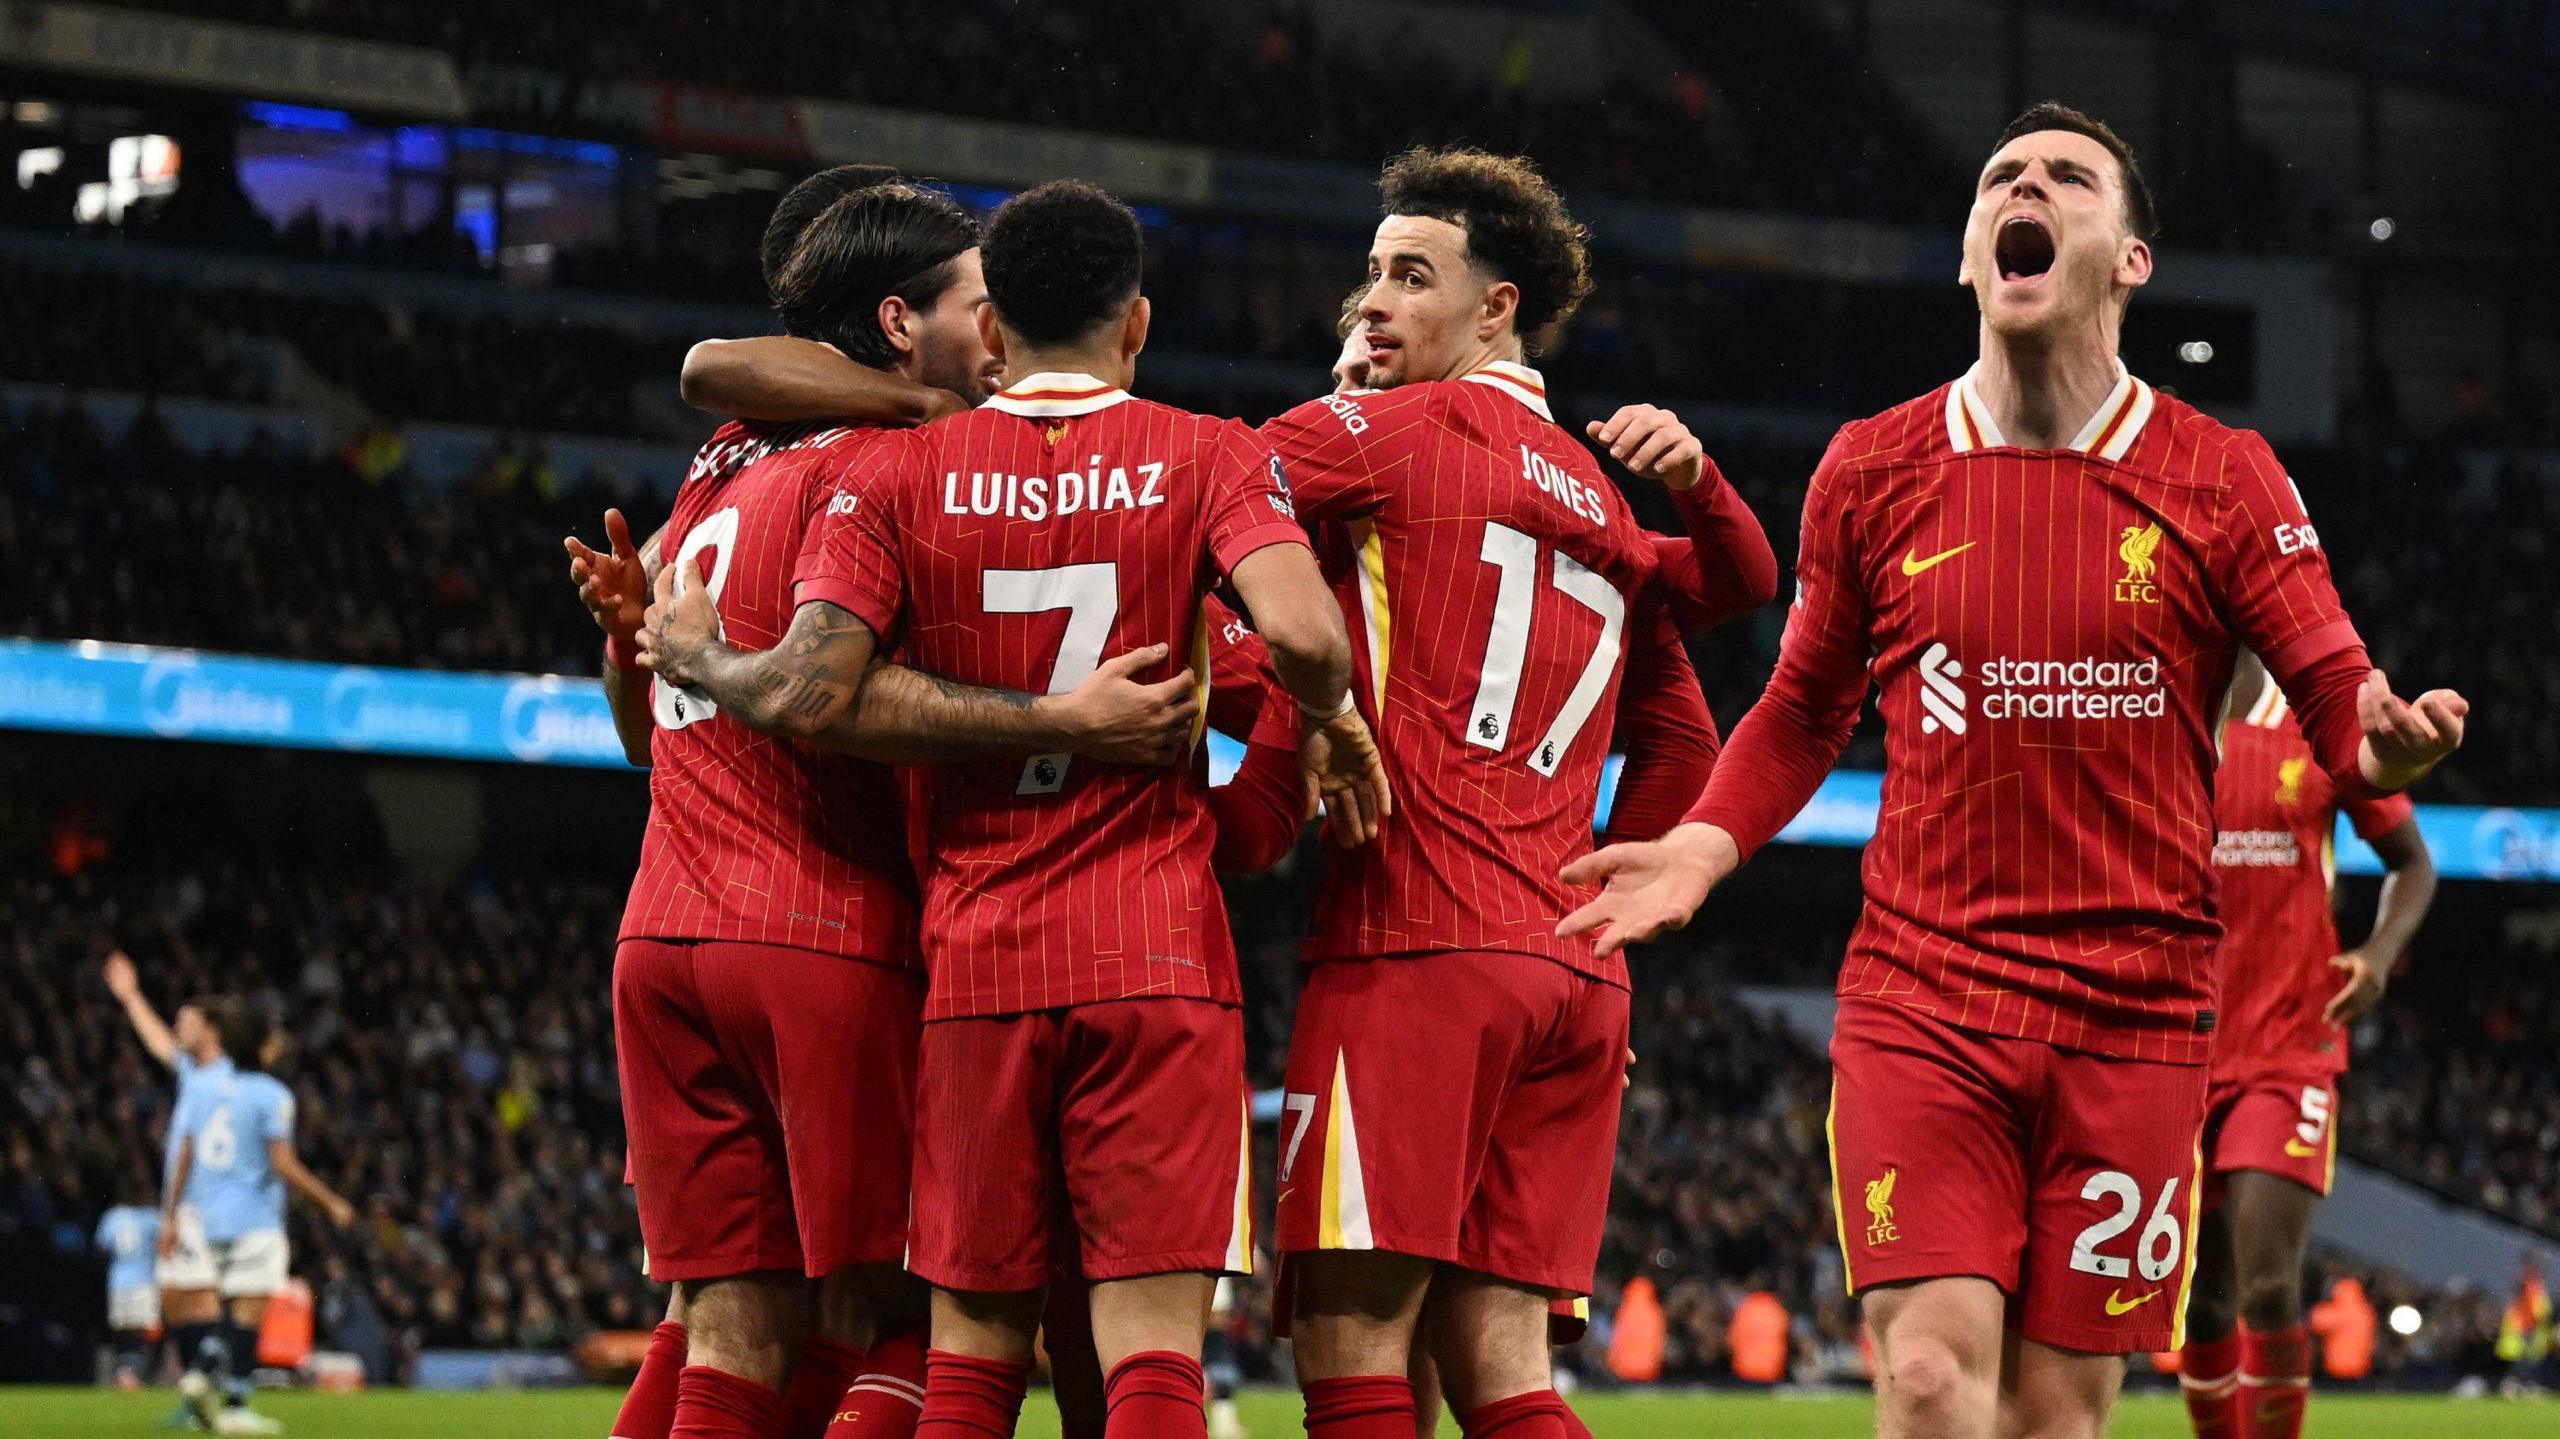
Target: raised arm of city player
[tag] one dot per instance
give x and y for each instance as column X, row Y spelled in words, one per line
column 156, row 1036
column 783, row 377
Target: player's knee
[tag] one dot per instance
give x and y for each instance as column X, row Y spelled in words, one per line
column 1925, row 1375
column 2271, row 1299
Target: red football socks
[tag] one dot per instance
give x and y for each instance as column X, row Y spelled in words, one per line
column 2275, row 1382
column 826, row 1369
column 714, row 1405
column 649, row 1410
column 2209, row 1378
column 1366, row 1406
column 967, row 1398
column 1156, row 1395
column 886, row 1399
column 1539, row 1414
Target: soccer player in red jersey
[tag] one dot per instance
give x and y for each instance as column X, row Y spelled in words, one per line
column 772, row 920
column 2046, row 568
column 2288, row 997
column 1082, row 1050
column 1455, row 1069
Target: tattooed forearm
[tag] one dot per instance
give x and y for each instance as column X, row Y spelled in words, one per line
column 820, row 684
column 904, row 716
column 970, row 694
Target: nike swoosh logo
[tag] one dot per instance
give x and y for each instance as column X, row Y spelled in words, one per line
column 2117, row 1304
column 1912, row 564
column 2300, row 1150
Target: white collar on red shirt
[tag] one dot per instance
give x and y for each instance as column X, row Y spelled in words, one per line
column 1516, row 380
column 2270, row 709
column 2109, row 434
column 1052, row 393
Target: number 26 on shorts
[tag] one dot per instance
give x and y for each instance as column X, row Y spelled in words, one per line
column 2156, row 1251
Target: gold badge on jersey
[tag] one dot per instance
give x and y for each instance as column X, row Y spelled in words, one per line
column 1881, row 1231
column 2289, row 780
column 2136, row 549
column 1056, row 431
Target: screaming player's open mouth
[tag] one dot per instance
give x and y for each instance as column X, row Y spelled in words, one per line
column 2023, row 249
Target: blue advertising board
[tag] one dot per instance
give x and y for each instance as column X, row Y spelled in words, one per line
column 145, row 692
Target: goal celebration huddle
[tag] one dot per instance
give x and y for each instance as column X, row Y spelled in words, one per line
column 927, row 1009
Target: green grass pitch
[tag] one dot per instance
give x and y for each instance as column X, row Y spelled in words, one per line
column 585, row 1414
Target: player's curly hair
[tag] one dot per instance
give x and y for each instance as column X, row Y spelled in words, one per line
column 2141, row 213
column 882, row 240
column 1063, row 259
column 1517, row 226
column 805, row 202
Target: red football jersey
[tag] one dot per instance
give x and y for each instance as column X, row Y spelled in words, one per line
column 2051, row 633
column 2276, row 817
column 1488, row 570
column 1017, row 546
column 752, row 837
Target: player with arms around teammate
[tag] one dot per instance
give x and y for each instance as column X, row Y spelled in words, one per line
column 767, row 984
column 1083, row 1053
column 2288, row 998
column 1455, row 1069
column 2046, row 566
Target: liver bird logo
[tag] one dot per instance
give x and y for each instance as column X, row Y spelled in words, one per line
column 2289, row 780
column 2136, row 549
column 1880, row 1209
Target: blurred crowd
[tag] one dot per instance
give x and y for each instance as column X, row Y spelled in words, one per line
column 110, row 329
column 2462, row 1095
column 1716, row 121
column 266, row 549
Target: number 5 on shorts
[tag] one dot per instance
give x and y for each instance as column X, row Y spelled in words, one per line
column 2157, row 1263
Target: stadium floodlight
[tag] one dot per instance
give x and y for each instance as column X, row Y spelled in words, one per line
column 2196, row 352
column 2405, row 1319
column 2382, row 228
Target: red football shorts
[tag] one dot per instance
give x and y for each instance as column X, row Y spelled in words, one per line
column 1104, row 1139
column 2275, row 1124
column 2068, row 1179
column 1460, row 1106
column 769, row 1094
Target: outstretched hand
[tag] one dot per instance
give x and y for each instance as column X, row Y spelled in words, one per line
column 1648, row 889
column 2402, row 741
column 1652, row 442
column 613, row 585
